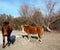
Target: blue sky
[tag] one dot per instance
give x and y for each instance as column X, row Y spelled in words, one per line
column 12, row 6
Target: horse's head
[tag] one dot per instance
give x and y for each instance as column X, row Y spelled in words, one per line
column 5, row 22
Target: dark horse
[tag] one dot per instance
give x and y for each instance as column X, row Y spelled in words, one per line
column 6, row 31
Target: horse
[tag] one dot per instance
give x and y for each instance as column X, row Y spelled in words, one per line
column 6, row 32
column 33, row 30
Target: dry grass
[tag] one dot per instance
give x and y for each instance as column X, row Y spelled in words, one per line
column 50, row 41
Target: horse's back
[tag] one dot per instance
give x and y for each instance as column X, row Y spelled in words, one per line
column 33, row 29
column 30, row 29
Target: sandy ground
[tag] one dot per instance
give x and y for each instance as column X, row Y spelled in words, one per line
column 50, row 41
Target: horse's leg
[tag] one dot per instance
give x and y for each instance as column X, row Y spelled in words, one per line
column 29, row 37
column 3, row 41
column 8, row 39
column 40, row 33
column 39, row 38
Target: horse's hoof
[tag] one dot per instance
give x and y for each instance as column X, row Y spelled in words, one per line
column 39, row 40
column 3, row 46
column 8, row 44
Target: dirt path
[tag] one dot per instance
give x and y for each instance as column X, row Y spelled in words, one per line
column 50, row 41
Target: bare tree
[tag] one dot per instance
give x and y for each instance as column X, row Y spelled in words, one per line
column 25, row 10
column 50, row 6
column 37, row 17
column 31, row 14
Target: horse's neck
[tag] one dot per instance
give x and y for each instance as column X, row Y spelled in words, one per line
column 5, row 29
column 10, row 26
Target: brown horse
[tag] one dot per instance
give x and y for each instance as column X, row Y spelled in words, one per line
column 33, row 30
column 6, row 31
